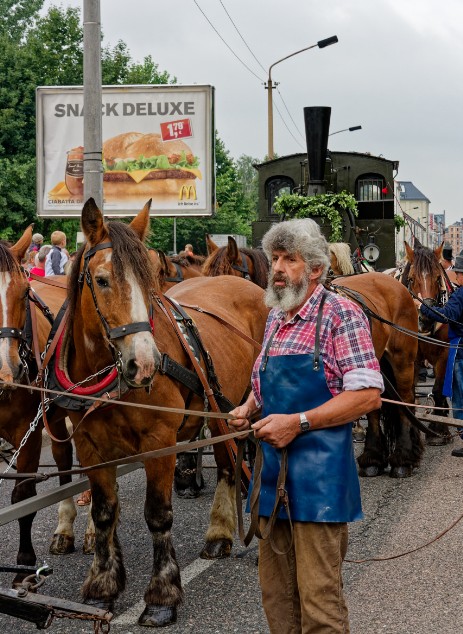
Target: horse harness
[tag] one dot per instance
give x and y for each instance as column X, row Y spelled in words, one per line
column 27, row 335
column 243, row 269
column 179, row 277
column 203, row 382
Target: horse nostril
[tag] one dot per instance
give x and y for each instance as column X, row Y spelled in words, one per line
column 19, row 371
column 131, row 369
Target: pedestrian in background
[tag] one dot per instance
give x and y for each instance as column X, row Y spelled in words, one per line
column 39, row 263
column 37, row 241
column 447, row 258
column 57, row 257
column 316, row 373
column 188, row 250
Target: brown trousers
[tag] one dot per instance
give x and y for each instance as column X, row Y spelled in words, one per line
column 302, row 590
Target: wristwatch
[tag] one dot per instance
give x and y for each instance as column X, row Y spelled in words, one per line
column 303, row 422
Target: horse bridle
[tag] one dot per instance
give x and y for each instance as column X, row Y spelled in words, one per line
column 243, row 268
column 442, row 294
column 119, row 331
column 25, row 335
column 179, row 277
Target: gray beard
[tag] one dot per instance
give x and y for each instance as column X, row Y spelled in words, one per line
column 288, row 298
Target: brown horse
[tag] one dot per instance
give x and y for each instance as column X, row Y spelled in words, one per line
column 18, row 408
column 112, row 319
column 383, row 296
column 424, row 276
column 177, row 268
column 252, row 264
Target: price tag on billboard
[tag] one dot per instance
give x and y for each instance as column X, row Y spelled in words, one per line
column 180, row 129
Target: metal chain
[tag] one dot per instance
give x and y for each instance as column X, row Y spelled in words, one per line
column 99, row 625
column 38, row 416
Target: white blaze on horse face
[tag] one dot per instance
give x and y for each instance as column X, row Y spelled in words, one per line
column 143, row 349
column 6, row 371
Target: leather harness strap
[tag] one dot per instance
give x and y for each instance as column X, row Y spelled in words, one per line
column 46, row 280
column 231, row 446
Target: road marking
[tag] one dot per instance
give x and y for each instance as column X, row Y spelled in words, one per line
column 130, row 616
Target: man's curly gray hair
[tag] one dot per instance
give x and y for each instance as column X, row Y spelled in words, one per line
column 302, row 236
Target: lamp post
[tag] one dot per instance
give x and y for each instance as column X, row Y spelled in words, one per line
column 352, row 129
column 269, row 86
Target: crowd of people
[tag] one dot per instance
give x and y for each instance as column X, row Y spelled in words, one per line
column 48, row 259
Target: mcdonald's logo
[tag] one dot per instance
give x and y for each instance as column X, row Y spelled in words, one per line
column 187, row 191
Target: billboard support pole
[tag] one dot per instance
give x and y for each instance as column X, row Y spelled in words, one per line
column 93, row 169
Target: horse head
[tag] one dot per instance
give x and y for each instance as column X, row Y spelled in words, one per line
column 340, row 258
column 13, row 302
column 251, row 264
column 424, row 278
column 116, row 278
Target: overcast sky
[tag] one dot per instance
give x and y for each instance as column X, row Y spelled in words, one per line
column 397, row 71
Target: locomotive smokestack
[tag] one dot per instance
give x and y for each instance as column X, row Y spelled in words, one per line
column 317, row 126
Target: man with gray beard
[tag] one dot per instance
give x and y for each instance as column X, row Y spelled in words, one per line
column 316, row 373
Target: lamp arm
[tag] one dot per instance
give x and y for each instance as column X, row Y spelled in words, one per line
column 287, row 57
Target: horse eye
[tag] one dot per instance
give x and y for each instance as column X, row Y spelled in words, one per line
column 102, row 282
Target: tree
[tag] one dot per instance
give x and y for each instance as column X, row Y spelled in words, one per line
column 43, row 51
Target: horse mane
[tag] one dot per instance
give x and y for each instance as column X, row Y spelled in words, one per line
column 187, row 260
column 425, row 261
column 8, row 262
column 129, row 253
column 342, row 253
column 217, row 263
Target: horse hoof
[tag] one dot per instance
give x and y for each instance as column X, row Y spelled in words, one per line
column 358, row 436
column 188, row 494
column 62, row 545
column 158, row 616
column 219, row 549
column 433, row 441
column 401, row 472
column 371, row 472
column 102, row 604
column 89, row 545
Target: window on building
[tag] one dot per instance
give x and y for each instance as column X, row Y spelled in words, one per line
column 370, row 187
column 274, row 187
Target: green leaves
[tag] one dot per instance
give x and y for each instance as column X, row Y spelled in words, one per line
column 323, row 205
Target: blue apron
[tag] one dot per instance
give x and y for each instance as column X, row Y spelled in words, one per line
column 322, row 481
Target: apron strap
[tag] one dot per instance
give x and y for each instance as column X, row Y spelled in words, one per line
column 316, row 351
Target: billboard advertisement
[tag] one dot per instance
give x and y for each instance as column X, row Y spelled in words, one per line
column 158, row 142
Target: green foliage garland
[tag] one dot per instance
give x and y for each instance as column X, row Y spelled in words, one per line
column 324, row 205
column 399, row 222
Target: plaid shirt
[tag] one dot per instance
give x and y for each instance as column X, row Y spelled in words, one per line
column 345, row 342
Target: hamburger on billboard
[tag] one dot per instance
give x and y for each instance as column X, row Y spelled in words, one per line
column 157, row 143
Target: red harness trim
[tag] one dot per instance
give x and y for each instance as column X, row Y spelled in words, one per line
column 67, row 384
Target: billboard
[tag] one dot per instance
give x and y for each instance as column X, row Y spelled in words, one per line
column 158, row 142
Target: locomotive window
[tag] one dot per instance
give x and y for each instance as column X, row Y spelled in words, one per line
column 275, row 187
column 369, row 189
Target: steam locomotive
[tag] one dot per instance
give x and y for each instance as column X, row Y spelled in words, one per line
column 369, row 178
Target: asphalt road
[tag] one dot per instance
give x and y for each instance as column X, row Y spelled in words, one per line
column 417, row 593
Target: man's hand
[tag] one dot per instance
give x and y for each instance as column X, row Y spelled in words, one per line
column 277, row 430
column 242, row 413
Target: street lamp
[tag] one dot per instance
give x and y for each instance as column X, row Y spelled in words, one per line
column 352, row 129
column 321, row 44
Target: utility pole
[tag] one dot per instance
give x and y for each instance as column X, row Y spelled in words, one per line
column 93, row 168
